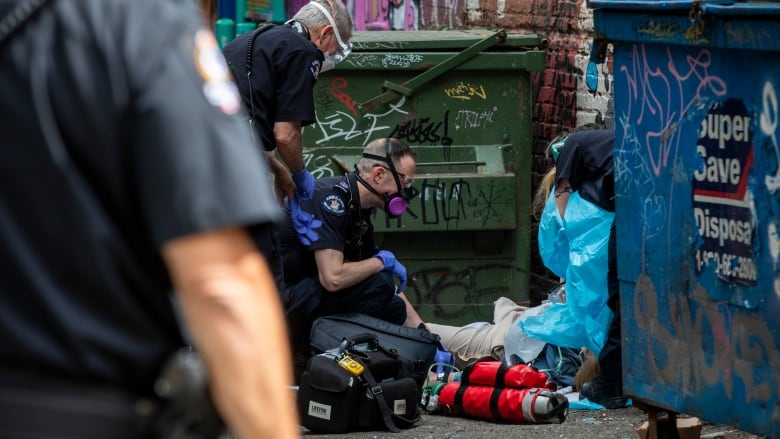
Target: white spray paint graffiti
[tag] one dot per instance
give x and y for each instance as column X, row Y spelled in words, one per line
column 474, row 119
column 768, row 123
column 404, row 61
column 318, row 165
column 341, row 125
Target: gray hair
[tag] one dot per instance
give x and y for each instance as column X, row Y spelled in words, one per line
column 315, row 20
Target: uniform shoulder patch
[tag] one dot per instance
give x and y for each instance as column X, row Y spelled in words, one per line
column 315, row 68
column 218, row 85
column 342, row 185
column 334, row 205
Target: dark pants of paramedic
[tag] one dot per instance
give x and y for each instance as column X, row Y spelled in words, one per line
column 307, row 300
column 610, row 358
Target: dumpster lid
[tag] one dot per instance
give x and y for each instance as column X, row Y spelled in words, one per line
column 442, row 40
column 707, row 7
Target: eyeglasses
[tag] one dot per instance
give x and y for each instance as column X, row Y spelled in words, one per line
column 406, row 181
column 344, row 48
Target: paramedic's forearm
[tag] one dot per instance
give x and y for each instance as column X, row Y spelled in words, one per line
column 289, row 144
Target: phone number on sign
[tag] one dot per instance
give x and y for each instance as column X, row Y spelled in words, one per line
column 728, row 265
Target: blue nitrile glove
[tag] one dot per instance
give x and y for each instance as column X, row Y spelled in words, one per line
column 400, row 271
column 304, row 184
column 304, row 223
column 442, row 359
column 391, row 264
column 387, row 257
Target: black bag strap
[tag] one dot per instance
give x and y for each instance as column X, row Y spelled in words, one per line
column 376, row 391
column 14, row 20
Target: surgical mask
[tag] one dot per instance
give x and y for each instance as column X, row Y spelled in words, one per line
column 555, row 148
column 328, row 64
column 342, row 51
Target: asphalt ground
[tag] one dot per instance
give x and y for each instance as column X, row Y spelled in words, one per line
column 586, row 424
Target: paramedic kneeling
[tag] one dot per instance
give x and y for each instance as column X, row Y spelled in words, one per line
column 340, row 269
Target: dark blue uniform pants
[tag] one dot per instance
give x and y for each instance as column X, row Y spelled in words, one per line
column 307, row 300
column 610, row 358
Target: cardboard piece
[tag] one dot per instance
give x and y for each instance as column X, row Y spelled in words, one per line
column 687, row 428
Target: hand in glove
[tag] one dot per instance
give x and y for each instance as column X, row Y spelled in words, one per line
column 392, row 265
column 304, row 223
column 304, row 184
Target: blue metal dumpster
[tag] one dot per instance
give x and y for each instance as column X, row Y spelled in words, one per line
column 697, row 169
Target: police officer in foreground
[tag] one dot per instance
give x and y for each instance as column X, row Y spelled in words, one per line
column 343, row 270
column 127, row 172
column 275, row 68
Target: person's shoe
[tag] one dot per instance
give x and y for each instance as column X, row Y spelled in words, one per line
column 606, row 393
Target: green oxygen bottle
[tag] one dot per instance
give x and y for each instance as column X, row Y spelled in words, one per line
column 245, row 26
column 225, row 30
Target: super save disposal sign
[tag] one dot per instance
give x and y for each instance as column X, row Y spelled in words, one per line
column 721, row 200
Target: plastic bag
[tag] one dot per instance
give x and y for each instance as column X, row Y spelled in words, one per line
column 519, row 347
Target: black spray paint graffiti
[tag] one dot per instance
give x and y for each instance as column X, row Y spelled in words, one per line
column 485, row 203
column 443, row 206
column 681, row 358
column 440, row 204
column 423, row 131
column 461, row 293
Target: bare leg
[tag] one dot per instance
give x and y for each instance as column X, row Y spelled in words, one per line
column 413, row 319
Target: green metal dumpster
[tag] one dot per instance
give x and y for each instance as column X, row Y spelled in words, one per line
column 697, row 170
column 462, row 100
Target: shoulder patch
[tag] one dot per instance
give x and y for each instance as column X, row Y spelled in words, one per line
column 315, row 68
column 342, row 185
column 218, row 86
column 334, row 205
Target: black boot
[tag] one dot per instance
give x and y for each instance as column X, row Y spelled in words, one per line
column 604, row 392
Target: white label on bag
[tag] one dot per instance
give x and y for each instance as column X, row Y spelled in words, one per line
column 399, row 407
column 318, row 410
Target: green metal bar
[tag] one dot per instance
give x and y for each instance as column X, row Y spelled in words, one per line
column 397, row 88
column 476, row 163
column 530, row 60
column 436, row 71
column 393, row 40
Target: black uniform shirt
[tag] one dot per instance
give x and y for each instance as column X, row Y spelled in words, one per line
column 345, row 228
column 139, row 101
column 585, row 159
column 285, row 66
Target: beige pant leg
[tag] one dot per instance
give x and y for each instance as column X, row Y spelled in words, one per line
column 477, row 341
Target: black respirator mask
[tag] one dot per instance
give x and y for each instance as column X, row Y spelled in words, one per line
column 396, row 203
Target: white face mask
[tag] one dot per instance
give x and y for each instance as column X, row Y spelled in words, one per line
column 328, row 64
column 343, row 50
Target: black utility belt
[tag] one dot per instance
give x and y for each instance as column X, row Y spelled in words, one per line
column 41, row 406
